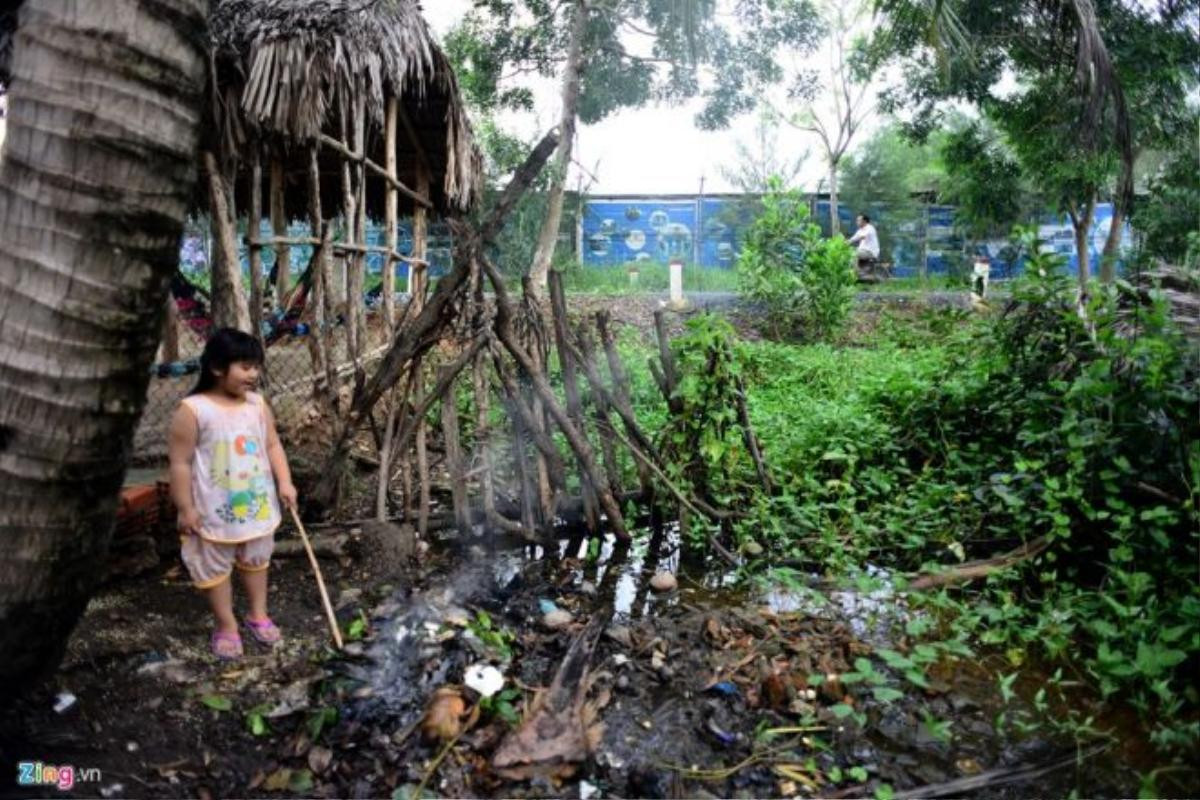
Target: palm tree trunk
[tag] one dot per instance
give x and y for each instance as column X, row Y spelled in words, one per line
column 548, row 237
column 99, row 168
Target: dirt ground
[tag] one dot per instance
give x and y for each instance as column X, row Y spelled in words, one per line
column 701, row 691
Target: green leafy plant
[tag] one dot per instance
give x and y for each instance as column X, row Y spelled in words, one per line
column 499, row 639
column 803, row 282
column 502, row 705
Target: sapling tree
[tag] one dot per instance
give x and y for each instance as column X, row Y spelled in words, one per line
column 608, row 55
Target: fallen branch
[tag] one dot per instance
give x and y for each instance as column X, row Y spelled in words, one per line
column 994, row 777
column 333, row 547
column 972, row 570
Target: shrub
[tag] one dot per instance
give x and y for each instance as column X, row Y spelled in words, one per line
column 804, row 283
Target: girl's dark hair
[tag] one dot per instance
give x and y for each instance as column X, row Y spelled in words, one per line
column 226, row 346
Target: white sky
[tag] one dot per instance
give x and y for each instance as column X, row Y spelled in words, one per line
column 653, row 150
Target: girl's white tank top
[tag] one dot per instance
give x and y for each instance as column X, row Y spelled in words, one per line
column 232, row 484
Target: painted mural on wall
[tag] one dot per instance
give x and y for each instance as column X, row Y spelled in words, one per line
column 617, row 231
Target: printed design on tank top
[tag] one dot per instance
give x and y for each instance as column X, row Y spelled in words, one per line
column 237, row 468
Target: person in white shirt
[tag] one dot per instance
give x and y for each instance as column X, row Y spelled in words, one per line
column 867, row 239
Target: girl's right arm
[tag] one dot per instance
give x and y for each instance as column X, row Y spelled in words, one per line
column 181, row 446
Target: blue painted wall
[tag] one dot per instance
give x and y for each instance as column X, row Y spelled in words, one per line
column 617, row 231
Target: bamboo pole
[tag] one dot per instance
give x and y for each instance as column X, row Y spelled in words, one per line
column 390, row 216
column 253, row 223
column 346, row 152
column 283, row 253
column 454, row 460
column 322, row 301
column 622, row 399
column 312, row 560
column 558, row 307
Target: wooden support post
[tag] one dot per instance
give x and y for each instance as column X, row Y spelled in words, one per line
column 355, row 284
column 558, row 306
column 321, row 296
column 578, row 444
column 283, row 253
column 454, row 461
column 420, row 234
column 170, row 334
column 422, row 463
column 390, row 217
column 253, row 223
column 601, row 408
column 228, row 301
column 622, row 396
column 349, row 226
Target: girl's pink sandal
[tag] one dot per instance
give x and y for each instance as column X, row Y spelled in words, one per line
column 264, row 630
column 226, row 646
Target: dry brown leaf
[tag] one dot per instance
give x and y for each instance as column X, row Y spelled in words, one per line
column 443, row 718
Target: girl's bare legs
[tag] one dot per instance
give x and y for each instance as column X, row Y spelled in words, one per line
column 220, row 600
column 256, row 593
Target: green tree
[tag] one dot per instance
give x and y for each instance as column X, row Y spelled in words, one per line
column 761, row 159
column 1168, row 219
column 1096, row 84
column 831, row 104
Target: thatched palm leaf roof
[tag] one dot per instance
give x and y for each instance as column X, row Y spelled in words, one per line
column 287, row 69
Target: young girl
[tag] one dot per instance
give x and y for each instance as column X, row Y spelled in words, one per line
column 228, row 476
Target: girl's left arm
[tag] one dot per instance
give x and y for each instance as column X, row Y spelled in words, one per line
column 279, row 465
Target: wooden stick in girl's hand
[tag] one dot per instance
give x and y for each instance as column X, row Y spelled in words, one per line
column 312, row 559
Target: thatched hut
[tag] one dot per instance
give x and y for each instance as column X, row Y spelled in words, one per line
column 334, row 110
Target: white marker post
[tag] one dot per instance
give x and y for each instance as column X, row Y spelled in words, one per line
column 676, row 268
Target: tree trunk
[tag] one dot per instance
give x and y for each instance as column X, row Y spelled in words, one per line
column 98, row 171
column 548, row 237
column 834, row 226
column 1108, row 258
column 1081, row 223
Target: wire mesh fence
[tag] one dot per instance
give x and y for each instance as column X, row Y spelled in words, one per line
column 290, row 381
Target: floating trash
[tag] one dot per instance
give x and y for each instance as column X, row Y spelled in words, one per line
column 484, row 678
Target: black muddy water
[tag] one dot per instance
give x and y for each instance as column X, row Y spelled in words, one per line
column 717, row 688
